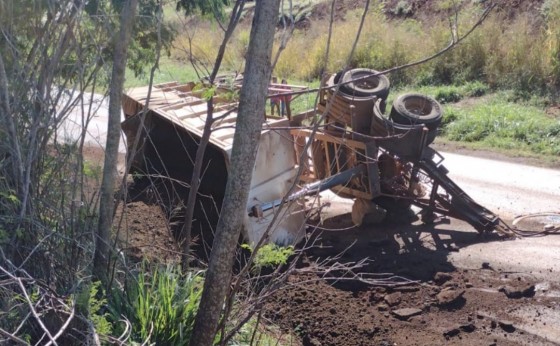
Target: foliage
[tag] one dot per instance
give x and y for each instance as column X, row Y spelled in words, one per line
column 258, row 334
column 142, row 51
column 204, row 7
column 551, row 13
column 403, row 8
column 447, row 93
column 503, row 125
column 513, row 53
column 271, row 255
column 161, row 305
column 97, row 301
column 169, row 70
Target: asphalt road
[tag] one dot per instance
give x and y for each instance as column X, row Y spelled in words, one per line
column 509, row 190
column 96, row 134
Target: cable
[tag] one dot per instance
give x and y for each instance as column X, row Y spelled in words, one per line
column 546, row 230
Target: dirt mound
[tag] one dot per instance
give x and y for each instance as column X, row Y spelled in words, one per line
column 426, row 9
column 318, row 313
column 463, row 308
column 420, row 9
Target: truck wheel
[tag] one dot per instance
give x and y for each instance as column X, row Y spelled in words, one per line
column 373, row 85
column 411, row 109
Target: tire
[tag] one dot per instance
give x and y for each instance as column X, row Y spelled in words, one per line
column 410, row 109
column 372, row 85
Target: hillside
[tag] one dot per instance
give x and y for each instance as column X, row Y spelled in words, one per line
column 307, row 12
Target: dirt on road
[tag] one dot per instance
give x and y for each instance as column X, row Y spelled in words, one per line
column 446, row 305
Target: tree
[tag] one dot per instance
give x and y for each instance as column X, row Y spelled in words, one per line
column 247, row 134
column 102, row 249
column 186, row 233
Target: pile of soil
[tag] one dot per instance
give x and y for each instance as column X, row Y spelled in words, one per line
column 444, row 305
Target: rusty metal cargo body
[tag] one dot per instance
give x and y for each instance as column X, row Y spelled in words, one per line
column 185, row 111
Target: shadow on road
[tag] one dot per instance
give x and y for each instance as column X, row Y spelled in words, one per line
column 412, row 250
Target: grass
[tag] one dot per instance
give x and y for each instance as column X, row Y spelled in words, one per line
column 160, row 304
column 445, row 93
column 262, row 335
column 169, row 70
column 497, row 123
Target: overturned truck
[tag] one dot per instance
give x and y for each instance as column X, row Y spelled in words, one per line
column 358, row 152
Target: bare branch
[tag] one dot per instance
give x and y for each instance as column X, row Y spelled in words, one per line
column 13, row 337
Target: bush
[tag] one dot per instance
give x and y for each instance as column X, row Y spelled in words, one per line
column 476, row 89
column 271, row 255
column 448, row 94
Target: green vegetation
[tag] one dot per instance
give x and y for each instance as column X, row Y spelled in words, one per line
column 446, row 93
column 161, row 305
column 271, row 255
column 498, row 120
column 504, row 53
column 170, row 70
column 497, row 123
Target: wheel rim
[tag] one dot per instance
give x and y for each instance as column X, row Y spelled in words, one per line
column 418, row 106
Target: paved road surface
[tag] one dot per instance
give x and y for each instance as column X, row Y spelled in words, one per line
column 507, row 189
column 97, row 128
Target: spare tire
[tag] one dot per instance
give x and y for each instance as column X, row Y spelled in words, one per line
column 409, row 109
column 412, row 109
column 368, row 86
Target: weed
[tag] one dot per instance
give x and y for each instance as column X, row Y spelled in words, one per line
column 448, row 94
column 271, row 255
column 253, row 333
column 476, row 89
column 161, row 305
column 96, row 303
column 403, row 8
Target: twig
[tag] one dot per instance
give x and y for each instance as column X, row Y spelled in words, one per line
column 13, row 337
column 34, row 312
column 63, row 328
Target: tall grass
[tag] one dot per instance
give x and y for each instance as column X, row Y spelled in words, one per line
column 161, row 305
column 520, row 53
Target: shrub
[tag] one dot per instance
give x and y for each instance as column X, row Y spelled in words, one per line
column 271, row 255
column 448, row 94
column 476, row 89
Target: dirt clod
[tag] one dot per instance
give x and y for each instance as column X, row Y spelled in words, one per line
column 393, row 298
column 451, row 332
column 449, row 296
column 469, row 327
column 517, row 292
column 441, row 278
column 406, row 313
column 507, row 326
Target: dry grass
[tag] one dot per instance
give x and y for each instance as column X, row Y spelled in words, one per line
column 501, row 53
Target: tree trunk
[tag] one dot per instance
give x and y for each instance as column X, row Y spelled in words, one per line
column 106, row 202
column 244, row 150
